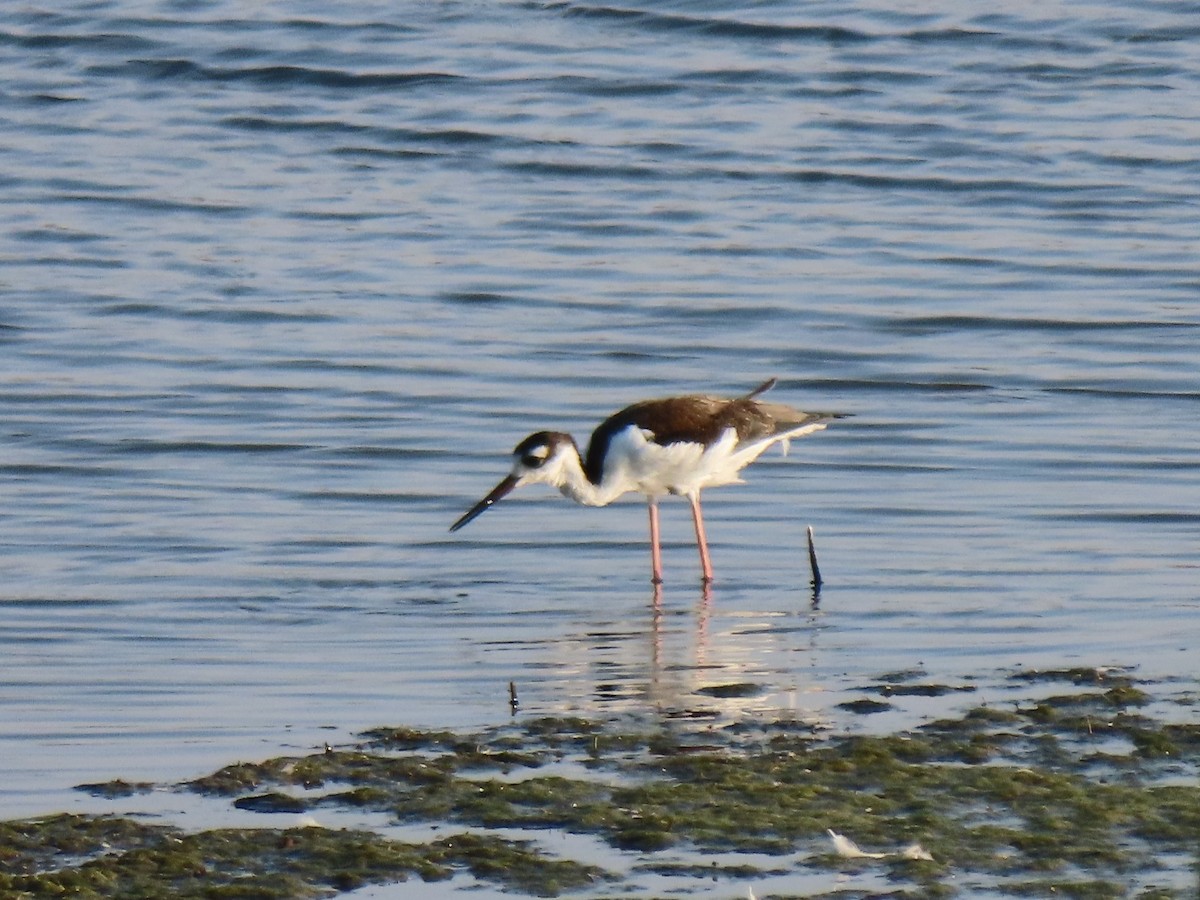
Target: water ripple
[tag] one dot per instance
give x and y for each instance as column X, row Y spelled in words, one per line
column 267, row 76
column 283, row 288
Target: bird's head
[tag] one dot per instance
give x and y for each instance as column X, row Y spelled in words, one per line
column 539, row 459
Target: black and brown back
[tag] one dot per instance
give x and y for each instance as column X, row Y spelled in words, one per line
column 698, row 419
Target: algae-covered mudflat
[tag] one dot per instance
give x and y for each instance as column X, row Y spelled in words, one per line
column 1086, row 787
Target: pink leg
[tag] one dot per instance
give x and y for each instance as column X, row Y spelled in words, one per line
column 701, row 540
column 655, row 548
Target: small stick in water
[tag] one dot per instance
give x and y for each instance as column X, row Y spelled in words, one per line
column 812, row 561
column 513, row 702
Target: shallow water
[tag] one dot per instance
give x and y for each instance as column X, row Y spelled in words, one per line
column 281, row 288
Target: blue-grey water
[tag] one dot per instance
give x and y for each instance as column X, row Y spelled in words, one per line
column 282, row 284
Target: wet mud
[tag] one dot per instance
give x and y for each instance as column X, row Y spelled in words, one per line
column 1086, row 787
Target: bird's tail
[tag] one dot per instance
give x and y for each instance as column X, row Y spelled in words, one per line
column 789, row 422
column 786, row 417
column 747, row 453
column 784, row 438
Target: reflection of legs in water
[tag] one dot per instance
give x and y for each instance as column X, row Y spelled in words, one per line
column 656, row 639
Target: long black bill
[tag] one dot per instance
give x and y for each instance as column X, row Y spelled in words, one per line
column 498, row 493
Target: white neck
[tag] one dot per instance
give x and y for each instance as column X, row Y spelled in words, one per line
column 570, row 478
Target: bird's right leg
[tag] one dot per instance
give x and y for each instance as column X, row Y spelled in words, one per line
column 655, row 547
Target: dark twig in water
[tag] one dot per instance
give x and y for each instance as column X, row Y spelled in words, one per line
column 513, row 702
column 816, row 570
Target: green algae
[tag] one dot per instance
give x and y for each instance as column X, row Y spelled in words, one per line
column 136, row 861
column 116, row 788
column 1079, row 675
column 32, row 846
column 1035, row 798
column 735, row 689
column 865, row 706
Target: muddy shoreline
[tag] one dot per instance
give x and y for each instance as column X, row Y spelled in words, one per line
column 1085, row 787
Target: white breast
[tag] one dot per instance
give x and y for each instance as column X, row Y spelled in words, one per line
column 635, row 463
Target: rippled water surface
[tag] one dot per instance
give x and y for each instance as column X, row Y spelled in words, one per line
column 282, row 284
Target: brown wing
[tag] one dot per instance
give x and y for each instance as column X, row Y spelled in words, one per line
column 698, row 419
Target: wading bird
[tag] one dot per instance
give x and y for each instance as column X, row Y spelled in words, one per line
column 676, row 445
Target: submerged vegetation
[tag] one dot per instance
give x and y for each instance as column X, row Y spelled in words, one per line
column 1077, row 792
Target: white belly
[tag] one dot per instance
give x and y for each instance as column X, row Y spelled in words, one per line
column 635, row 463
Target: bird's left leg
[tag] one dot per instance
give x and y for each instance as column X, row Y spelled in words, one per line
column 701, row 540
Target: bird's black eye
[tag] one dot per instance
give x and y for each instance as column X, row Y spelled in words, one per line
column 532, row 460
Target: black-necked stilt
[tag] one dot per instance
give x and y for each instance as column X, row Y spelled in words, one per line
column 676, row 445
